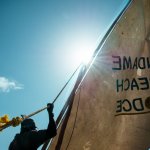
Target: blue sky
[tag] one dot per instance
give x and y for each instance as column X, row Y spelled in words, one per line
column 40, row 45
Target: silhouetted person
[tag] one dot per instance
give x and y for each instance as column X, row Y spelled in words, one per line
column 29, row 138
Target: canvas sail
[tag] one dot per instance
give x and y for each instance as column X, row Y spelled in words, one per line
column 111, row 108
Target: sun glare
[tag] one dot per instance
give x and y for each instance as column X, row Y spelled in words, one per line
column 84, row 57
column 83, row 51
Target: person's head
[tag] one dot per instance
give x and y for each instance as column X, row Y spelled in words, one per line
column 28, row 125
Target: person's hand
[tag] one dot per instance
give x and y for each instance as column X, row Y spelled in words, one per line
column 50, row 107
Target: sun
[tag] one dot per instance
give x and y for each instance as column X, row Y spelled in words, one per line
column 83, row 51
column 84, row 57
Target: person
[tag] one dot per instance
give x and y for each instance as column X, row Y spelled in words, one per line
column 29, row 138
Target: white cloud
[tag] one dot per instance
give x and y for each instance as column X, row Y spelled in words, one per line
column 6, row 85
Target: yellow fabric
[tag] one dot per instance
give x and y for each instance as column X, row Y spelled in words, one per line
column 5, row 122
column 4, row 119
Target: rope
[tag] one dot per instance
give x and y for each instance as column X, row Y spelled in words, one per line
column 68, row 112
column 17, row 120
column 75, row 119
column 66, row 83
column 64, row 110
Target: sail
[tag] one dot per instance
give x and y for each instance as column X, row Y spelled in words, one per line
column 111, row 108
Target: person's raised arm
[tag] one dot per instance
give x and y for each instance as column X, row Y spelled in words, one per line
column 51, row 129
